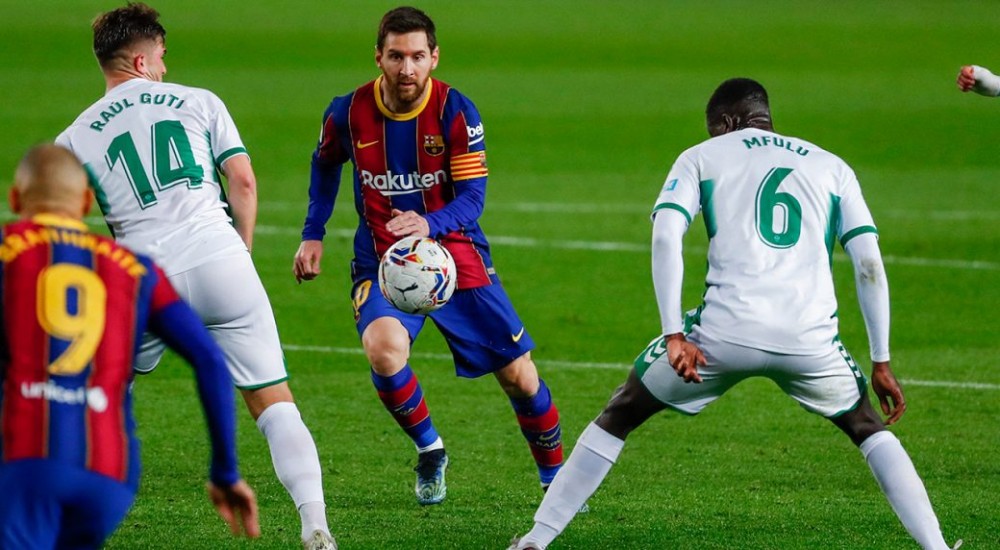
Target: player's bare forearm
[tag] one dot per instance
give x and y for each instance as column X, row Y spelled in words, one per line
column 888, row 391
column 242, row 196
column 684, row 357
column 306, row 265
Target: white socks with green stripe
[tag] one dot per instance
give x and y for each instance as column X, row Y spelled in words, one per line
column 595, row 452
column 902, row 486
column 296, row 462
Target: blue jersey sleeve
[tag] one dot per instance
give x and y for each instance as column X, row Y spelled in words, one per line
column 467, row 147
column 327, row 162
column 181, row 329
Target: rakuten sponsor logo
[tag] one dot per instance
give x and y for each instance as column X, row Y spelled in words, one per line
column 401, row 184
column 95, row 398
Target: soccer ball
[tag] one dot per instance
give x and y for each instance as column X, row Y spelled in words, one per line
column 417, row 275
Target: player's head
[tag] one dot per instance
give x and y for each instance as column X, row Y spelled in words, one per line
column 407, row 52
column 49, row 179
column 130, row 39
column 736, row 104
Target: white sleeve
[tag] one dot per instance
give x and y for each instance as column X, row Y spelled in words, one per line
column 873, row 292
column 669, row 227
column 987, row 83
column 225, row 138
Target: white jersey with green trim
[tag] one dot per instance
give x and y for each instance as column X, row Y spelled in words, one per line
column 154, row 151
column 773, row 207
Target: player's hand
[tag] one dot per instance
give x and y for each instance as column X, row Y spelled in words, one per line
column 238, row 507
column 306, row 264
column 684, row 357
column 890, row 394
column 966, row 78
column 405, row 224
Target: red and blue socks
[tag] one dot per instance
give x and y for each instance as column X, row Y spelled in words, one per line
column 539, row 420
column 404, row 399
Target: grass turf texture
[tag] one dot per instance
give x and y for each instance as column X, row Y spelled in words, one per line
column 586, row 105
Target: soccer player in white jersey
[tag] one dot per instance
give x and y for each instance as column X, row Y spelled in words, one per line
column 154, row 151
column 773, row 206
column 973, row 78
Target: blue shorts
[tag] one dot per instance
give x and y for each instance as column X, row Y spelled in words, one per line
column 47, row 504
column 480, row 325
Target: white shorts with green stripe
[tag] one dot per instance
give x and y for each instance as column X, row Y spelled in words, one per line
column 827, row 383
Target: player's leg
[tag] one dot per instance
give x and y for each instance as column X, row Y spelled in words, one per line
column 229, row 297
column 386, row 335
column 30, row 514
column 536, row 413
column 651, row 387
column 831, row 385
column 486, row 336
column 93, row 507
column 895, row 473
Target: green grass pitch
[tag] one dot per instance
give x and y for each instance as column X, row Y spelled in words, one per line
column 586, row 105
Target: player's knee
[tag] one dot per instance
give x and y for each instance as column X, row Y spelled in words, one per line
column 861, row 423
column 387, row 350
column 519, row 379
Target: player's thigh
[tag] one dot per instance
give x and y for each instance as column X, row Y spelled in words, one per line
column 369, row 306
column 29, row 514
column 93, row 512
column 231, row 301
column 52, row 505
column 828, row 383
column 483, row 330
column 726, row 365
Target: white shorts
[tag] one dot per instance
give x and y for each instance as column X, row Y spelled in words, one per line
column 828, row 383
column 228, row 296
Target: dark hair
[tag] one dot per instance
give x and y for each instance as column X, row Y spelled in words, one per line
column 736, row 97
column 120, row 28
column 403, row 20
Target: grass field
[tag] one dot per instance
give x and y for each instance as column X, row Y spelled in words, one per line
column 586, row 105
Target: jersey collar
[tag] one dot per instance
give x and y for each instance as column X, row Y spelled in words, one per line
column 59, row 220
column 401, row 116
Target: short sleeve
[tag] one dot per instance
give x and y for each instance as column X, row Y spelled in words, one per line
column 854, row 217
column 225, row 138
column 681, row 190
column 466, row 138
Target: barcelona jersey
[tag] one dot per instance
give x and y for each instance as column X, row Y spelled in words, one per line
column 73, row 307
column 431, row 160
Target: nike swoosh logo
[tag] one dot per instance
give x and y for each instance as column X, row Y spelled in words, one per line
column 363, row 145
column 517, row 337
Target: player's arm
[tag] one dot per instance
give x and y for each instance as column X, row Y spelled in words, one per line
column 242, row 196
column 324, row 181
column 180, row 328
column 467, row 147
column 234, row 163
column 980, row 80
column 873, row 297
column 669, row 226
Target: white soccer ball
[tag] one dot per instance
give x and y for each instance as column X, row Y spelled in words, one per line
column 417, row 275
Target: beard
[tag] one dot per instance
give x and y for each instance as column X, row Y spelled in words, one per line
column 407, row 95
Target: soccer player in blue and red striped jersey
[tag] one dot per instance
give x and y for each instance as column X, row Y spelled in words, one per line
column 74, row 306
column 419, row 154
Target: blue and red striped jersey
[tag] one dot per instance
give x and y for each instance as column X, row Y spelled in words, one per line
column 74, row 306
column 431, row 160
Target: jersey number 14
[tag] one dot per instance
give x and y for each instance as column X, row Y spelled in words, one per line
column 173, row 161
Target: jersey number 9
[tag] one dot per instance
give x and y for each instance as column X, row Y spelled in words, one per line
column 81, row 321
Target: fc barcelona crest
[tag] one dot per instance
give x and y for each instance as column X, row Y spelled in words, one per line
column 433, row 144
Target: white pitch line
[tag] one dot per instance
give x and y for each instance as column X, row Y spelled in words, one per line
column 617, row 366
column 612, row 246
column 644, row 209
